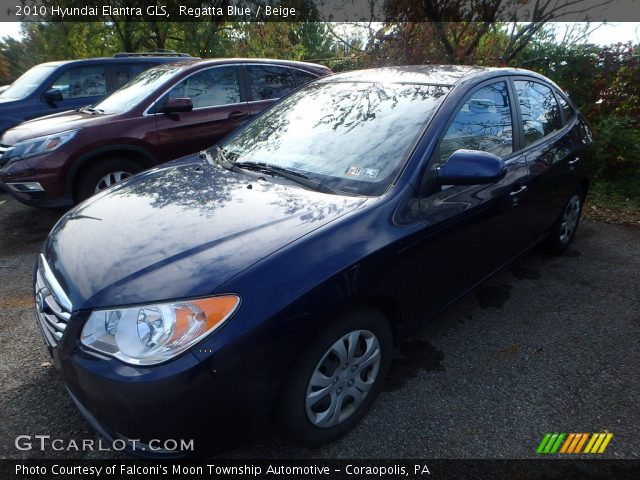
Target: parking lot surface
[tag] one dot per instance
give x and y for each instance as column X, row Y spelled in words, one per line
column 550, row 344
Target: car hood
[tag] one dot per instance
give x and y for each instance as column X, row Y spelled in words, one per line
column 179, row 231
column 8, row 102
column 56, row 123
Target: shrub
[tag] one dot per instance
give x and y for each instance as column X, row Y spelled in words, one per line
column 617, row 148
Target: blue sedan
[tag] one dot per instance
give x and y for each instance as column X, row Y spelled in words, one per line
column 271, row 276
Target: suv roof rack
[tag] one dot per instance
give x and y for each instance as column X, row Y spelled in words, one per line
column 152, row 53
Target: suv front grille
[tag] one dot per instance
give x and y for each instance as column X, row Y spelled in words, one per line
column 52, row 316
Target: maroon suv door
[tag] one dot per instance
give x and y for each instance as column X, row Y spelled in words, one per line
column 219, row 107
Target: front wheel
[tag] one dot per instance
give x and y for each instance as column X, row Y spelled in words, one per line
column 565, row 227
column 337, row 378
column 104, row 174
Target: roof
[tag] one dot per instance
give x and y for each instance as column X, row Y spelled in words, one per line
column 426, row 74
column 188, row 61
column 290, row 63
column 99, row 60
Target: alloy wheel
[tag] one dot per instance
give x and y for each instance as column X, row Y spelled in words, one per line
column 111, row 178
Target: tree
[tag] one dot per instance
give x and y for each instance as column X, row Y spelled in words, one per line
column 460, row 26
column 293, row 40
column 5, row 74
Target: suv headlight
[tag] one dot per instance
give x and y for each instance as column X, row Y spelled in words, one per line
column 39, row 145
column 151, row 334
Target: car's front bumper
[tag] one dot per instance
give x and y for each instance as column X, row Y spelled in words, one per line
column 179, row 403
column 46, row 171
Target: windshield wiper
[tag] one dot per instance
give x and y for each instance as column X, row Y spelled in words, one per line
column 91, row 110
column 300, row 178
column 220, row 160
column 292, row 175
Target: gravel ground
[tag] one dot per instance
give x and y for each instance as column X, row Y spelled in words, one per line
column 549, row 344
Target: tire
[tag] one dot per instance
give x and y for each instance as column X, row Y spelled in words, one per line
column 349, row 379
column 104, row 174
column 564, row 229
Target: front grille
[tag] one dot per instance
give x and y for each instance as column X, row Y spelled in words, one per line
column 52, row 316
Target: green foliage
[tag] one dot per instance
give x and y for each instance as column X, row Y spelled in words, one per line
column 295, row 41
column 620, row 194
column 64, row 40
column 604, row 82
column 617, row 148
column 600, row 80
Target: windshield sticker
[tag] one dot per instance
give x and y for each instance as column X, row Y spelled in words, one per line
column 355, row 171
column 371, row 173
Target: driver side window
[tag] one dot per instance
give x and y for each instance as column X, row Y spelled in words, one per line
column 209, row 88
column 483, row 123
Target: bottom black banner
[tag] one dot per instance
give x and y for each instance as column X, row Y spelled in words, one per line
column 319, row 469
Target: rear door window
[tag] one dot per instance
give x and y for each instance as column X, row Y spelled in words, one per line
column 483, row 123
column 539, row 109
column 80, row 82
column 270, row 81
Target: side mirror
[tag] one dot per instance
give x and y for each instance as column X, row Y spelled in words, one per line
column 177, row 105
column 52, row 96
column 471, row 167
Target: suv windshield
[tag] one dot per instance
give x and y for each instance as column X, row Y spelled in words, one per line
column 28, row 82
column 352, row 137
column 132, row 93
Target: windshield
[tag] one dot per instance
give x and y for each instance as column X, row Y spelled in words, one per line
column 132, row 93
column 352, row 137
column 28, row 82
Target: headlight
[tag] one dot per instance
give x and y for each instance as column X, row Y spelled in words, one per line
column 39, row 145
column 151, row 334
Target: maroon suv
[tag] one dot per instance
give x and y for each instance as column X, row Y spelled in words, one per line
column 166, row 112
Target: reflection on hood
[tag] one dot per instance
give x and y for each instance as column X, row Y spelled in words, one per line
column 178, row 230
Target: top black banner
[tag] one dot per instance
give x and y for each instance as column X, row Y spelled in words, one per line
column 319, row 10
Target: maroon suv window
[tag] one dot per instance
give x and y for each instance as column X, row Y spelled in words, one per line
column 209, row 88
column 269, row 81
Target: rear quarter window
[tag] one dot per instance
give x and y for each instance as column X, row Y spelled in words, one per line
column 569, row 112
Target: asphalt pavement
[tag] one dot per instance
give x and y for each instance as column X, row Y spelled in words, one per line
column 550, row 344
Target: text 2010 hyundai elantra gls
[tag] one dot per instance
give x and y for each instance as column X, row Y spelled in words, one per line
column 271, row 276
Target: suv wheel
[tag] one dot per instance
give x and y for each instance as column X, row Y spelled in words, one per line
column 337, row 378
column 104, row 174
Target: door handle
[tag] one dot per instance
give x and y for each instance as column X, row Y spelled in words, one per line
column 574, row 161
column 238, row 114
column 515, row 193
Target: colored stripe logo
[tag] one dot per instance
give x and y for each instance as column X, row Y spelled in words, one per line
column 574, row 443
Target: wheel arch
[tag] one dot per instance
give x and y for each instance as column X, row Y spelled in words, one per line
column 584, row 185
column 133, row 152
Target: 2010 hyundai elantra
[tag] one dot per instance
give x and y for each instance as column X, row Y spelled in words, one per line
column 271, row 276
